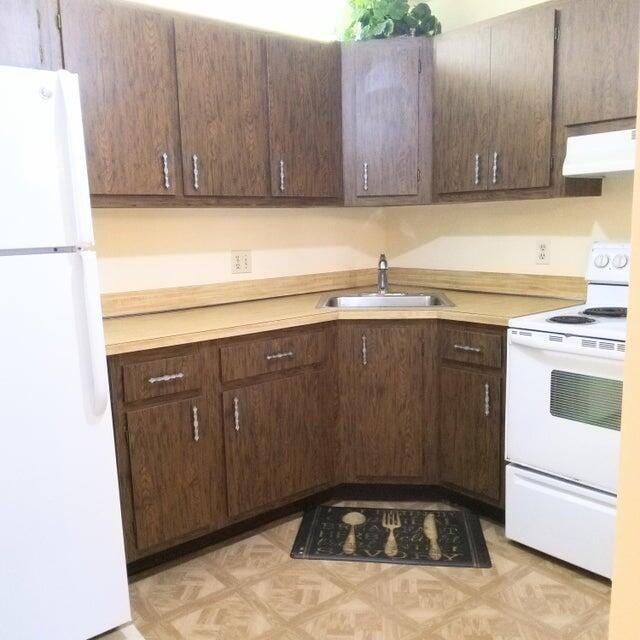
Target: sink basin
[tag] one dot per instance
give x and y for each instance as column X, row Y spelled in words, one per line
column 386, row 301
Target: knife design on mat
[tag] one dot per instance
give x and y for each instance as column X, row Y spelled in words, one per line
column 431, row 534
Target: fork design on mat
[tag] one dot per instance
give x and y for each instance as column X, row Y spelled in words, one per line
column 391, row 521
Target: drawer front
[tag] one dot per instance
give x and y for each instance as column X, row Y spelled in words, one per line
column 258, row 357
column 472, row 347
column 156, row 378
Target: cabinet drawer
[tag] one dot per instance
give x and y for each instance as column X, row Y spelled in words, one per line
column 144, row 380
column 275, row 354
column 472, row 347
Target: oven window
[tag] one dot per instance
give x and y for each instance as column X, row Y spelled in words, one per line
column 587, row 399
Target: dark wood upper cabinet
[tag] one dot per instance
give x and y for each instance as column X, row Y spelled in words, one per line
column 223, row 109
column 28, row 34
column 598, row 60
column 170, row 452
column 521, row 112
column 275, row 440
column 381, row 399
column 494, row 105
column 382, row 92
column 471, row 430
column 305, row 118
column 462, row 84
column 125, row 58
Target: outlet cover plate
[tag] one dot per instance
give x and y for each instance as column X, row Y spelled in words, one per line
column 543, row 252
column 241, row 261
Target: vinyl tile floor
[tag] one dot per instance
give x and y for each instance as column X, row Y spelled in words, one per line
column 250, row 589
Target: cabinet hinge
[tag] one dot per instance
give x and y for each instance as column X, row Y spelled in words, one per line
column 553, row 162
column 556, row 33
column 419, row 65
column 38, row 19
column 419, row 175
column 59, row 21
column 41, row 51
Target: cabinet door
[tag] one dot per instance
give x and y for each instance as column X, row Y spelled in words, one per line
column 387, row 78
column 598, row 60
column 462, row 81
column 171, row 454
column 381, row 400
column 223, row 109
column 522, row 77
column 471, row 430
column 125, row 58
column 28, row 35
column 276, row 435
column 305, row 118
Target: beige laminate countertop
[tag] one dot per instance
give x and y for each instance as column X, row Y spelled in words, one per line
column 149, row 331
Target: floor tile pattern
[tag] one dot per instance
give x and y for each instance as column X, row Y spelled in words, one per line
column 249, row 589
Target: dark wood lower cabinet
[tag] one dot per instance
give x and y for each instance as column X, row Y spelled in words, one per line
column 208, row 435
column 471, row 430
column 276, row 436
column 381, row 391
column 171, row 452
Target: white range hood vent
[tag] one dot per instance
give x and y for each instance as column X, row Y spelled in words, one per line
column 600, row 154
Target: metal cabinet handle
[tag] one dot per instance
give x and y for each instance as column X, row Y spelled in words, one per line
column 364, row 351
column 196, row 424
column 165, row 170
column 487, row 400
column 236, row 414
column 280, row 355
column 196, row 172
column 464, row 347
column 365, row 176
column 282, row 176
column 494, row 179
column 476, row 180
column 166, row 378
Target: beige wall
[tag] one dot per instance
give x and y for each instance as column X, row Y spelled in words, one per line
column 162, row 248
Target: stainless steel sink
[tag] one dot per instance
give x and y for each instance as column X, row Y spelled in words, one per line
column 386, row 301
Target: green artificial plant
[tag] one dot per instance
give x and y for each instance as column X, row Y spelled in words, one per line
column 386, row 18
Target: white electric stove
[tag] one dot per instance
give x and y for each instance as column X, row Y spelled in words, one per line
column 564, row 404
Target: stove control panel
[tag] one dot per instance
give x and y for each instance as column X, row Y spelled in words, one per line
column 609, row 263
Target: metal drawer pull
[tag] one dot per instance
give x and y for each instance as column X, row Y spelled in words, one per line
column 196, row 424
column 464, row 347
column 165, row 170
column 495, row 168
column 166, row 378
column 196, row 173
column 282, row 176
column 477, row 170
column 487, row 400
column 364, row 351
column 279, row 356
column 365, row 176
column 236, row 414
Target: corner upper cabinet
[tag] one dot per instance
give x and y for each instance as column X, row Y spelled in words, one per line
column 223, row 109
column 494, row 104
column 387, row 121
column 125, row 58
column 304, row 118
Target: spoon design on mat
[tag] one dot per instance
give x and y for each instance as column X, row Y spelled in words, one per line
column 353, row 519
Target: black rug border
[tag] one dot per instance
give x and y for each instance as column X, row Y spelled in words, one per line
column 477, row 542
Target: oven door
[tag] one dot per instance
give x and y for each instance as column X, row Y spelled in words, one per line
column 564, row 403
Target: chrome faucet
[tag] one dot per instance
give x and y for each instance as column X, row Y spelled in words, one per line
column 383, row 277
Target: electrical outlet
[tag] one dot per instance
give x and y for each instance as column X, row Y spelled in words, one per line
column 241, row 262
column 543, row 252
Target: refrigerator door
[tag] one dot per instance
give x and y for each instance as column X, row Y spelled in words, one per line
column 43, row 173
column 62, row 573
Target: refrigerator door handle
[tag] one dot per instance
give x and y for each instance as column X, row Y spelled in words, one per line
column 95, row 333
column 78, row 176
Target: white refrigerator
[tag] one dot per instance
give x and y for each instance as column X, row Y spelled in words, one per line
column 62, row 564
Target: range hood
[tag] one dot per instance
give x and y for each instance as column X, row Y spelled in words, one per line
column 600, row 154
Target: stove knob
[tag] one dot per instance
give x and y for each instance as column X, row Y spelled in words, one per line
column 601, row 260
column 620, row 261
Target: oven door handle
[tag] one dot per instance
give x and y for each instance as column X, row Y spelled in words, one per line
column 562, row 347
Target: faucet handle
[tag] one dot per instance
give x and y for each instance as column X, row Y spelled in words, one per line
column 382, row 262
